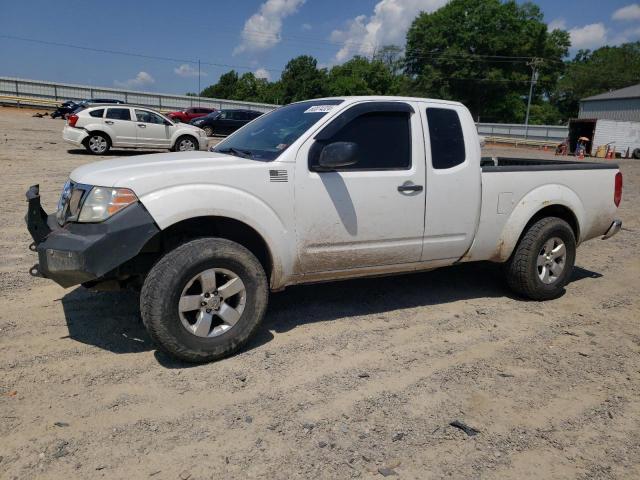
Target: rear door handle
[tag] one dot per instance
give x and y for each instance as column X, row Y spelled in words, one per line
column 108, row 122
column 410, row 188
column 142, row 125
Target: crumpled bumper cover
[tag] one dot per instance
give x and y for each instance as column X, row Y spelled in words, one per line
column 81, row 252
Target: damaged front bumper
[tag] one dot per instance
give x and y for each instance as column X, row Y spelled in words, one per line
column 82, row 252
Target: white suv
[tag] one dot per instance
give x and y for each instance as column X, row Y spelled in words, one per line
column 101, row 127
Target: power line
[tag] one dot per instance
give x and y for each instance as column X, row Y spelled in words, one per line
column 130, row 54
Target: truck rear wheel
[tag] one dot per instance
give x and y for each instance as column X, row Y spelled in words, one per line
column 204, row 300
column 542, row 263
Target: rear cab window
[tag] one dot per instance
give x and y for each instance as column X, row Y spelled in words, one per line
column 446, row 138
column 118, row 113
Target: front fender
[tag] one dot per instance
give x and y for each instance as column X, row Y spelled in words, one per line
column 172, row 205
column 534, row 201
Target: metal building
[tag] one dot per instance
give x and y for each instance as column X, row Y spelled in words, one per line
column 621, row 105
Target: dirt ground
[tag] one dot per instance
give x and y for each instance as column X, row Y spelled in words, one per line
column 358, row 379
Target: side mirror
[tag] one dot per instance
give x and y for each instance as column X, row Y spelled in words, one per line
column 338, row 154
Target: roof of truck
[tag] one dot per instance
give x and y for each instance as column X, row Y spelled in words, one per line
column 385, row 98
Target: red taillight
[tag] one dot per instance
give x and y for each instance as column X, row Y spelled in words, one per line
column 71, row 121
column 617, row 193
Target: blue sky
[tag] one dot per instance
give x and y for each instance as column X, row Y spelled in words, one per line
column 259, row 36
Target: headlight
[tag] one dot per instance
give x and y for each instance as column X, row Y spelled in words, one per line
column 102, row 202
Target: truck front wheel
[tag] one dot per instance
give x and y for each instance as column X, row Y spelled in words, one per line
column 204, row 300
column 542, row 263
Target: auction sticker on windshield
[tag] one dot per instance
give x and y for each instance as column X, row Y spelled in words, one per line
column 319, row 109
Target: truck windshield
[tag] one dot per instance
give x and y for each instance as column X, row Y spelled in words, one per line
column 269, row 135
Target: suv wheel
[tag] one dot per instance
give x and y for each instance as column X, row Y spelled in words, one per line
column 186, row 143
column 542, row 263
column 204, row 300
column 97, row 144
column 208, row 131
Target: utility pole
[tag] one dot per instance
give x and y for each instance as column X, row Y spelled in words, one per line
column 198, row 82
column 534, row 63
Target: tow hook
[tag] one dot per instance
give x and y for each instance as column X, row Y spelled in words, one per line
column 35, row 271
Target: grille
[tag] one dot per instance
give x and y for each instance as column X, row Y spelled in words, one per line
column 278, row 175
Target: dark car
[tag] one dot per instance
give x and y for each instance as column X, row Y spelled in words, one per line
column 225, row 122
column 71, row 106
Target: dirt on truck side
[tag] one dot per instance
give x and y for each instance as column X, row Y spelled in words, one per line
column 354, row 379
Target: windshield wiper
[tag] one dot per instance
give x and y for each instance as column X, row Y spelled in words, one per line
column 237, row 152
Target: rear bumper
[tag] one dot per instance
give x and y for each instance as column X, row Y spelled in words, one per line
column 615, row 227
column 74, row 136
column 81, row 252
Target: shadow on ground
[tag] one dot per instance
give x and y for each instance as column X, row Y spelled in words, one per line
column 115, row 153
column 112, row 320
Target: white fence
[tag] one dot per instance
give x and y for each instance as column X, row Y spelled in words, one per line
column 551, row 133
column 38, row 93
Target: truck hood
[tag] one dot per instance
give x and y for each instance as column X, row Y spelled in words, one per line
column 145, row 173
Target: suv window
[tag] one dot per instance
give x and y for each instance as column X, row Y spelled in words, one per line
column 447, row 140
column 119, row 113
column 383, row 139
column 239, row 115
column 148, row 117
column 97, row 113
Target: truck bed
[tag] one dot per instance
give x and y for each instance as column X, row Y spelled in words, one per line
column 503, row 164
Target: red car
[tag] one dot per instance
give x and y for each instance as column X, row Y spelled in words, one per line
column 189, row 114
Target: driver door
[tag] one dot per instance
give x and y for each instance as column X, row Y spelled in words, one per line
column 370, row 213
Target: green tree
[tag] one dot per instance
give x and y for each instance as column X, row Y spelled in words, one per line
column 591, row 73
column 225, row 88
column 249, row 88
column 301, row 79
column 392, row 57
column 477, row 52
column 360, row 76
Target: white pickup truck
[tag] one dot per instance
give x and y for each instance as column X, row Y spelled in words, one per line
column 315, row 191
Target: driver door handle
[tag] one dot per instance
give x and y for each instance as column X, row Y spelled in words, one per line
column 410, row 188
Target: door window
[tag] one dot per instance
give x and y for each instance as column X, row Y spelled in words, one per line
column 383, row 139
column 118, row 113
column 97, row 113
column 447, row 140
column 148, row 117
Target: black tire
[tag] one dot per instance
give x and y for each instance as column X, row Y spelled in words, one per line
column 636, row 153
column 522, row 270
column 163, row 287
column 194, row 140
column 209, row 131
column 98, row 137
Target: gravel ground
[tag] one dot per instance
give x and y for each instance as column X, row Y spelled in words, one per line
column 358, row 379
